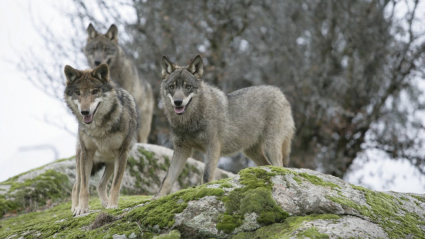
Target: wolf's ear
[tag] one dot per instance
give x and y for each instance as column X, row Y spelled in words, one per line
column 167, row 67
column 91, row 32
column 196, row 67
column 101, row 72
column 112, row 33
column 71, row 74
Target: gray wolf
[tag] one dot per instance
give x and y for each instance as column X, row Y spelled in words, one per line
column 104, row 48
column 255, row 120
column 108, row 122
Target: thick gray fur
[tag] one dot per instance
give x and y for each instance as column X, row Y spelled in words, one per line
column 255, row 120
column 108, row 122
column 104, row 48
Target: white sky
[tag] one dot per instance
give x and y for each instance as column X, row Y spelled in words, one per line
column 24, row 107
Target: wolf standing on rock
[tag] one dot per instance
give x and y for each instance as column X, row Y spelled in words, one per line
column 256, row 120
column 104, row 48
column 108, row 122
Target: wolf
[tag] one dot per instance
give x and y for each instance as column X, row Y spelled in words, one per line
column 104, row 48
column 108, row 121
column 255, row 120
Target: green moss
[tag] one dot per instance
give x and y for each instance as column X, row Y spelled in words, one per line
column 228, row 223
column 174, row 234
column 419, row 198
column 254, row 197
column 161, row 212
column 8, row 205
column 223, row 183
column 385, row 210
column 282, row 171
column 312, row 232
column 318, row 181
column 34, row 193
column 59, row 222
column 61, row 160
column 286, row 229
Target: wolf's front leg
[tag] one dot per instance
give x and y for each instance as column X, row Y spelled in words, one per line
column 86, row 164
column 213, row 155
column 102, row 187
column 180, row 155
column 119, row 171
column 76, row 188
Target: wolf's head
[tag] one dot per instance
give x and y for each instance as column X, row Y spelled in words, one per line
column 101, row 48
column 85, row 90
column 180, row 84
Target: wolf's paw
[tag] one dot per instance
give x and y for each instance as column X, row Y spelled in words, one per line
column 80, row 211
column 112, row 207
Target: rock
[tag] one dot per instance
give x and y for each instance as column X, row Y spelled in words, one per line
column 117, row 236
column 132, row 235
column 145, row 170
column 261, row 202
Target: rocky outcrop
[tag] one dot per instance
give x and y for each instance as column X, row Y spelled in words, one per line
column 262, row 202
column 38, row 188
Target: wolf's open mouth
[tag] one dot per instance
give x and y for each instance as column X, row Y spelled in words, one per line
column 182, row 109
column 89, row 118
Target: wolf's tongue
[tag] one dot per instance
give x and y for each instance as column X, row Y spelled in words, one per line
column 179, row 110
column 88, row 118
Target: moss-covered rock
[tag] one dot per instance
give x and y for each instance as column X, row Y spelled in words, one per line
column 36, row 193
column 40, row 187
column 262, row 202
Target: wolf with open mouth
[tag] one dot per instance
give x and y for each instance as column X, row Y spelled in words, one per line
column 255, row 120
column 108, row 122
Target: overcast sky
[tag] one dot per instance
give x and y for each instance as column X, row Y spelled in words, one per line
column 25, row 109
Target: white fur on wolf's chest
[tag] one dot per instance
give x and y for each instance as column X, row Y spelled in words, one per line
column 107, row 147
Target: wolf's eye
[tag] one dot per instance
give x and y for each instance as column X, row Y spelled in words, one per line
column 95, row 91
column 77, row 92
column 188, row 87
column 171, row 87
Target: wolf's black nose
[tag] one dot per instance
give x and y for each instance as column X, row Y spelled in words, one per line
column 85, row 112
column 178, row 102
column 97, row 63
